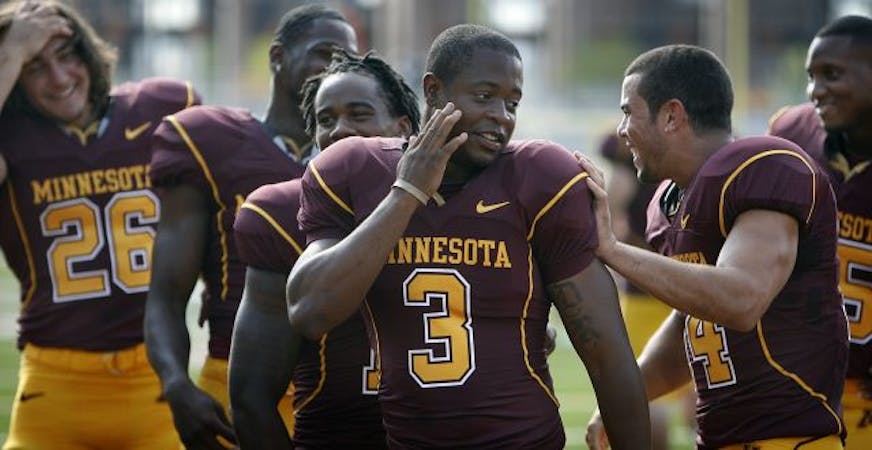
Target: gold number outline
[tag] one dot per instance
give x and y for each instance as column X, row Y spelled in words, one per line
column 855, row 256
column 421, row 360
column 695, row 332
column 62, row 275
column 371, row 375
column 137, row 275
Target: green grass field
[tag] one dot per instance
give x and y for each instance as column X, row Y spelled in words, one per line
column 571, row 381
column 8, row 352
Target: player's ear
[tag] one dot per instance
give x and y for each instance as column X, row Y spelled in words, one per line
column 276, row 54
column 405, row 126
column 433, row 90
column 672, row 115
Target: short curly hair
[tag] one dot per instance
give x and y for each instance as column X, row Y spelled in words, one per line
column 296, row 22
column 691, row 74
column 453, row 49
column 858, row 28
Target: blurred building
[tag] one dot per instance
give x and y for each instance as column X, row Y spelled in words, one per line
column 574, row 50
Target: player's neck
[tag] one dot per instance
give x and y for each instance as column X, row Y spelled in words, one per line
column 85, row 118
column 702, row 147
column 858, row 144
column 459, row 174
column 286, row 121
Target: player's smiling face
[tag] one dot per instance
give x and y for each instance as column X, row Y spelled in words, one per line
column 56, row 83
column 352, row 104
column 487, row 90
column 839, row 80
column 640, row 131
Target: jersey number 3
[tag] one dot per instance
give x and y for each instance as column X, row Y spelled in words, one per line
column 81, row 231
column 449, row 328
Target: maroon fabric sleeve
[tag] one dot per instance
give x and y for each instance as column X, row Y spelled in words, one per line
column 266, row 231
column 172, row 159
column 780, row 181
column 324, row 196
column 565, row 234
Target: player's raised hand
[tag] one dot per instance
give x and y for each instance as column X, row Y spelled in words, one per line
column 200, row 420
column 596, row 183
column 423, row 164
column 33, row 25
column 596, row 433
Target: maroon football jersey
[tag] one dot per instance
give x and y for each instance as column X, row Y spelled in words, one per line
column 227, row 153
column 335, row 381
column 800, row 124
column 457, row 315
column 78, row 218
column 784, row 378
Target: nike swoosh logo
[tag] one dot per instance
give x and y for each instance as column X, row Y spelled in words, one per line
column 481, row 208
column 25, row 396
column 133, row 133
column 684, row 221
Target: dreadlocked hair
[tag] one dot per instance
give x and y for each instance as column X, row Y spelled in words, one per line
column 401, row 100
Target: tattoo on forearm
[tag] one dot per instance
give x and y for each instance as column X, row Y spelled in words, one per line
column 570, row 302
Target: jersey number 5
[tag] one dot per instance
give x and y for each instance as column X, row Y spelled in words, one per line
column 855, row 260
column 81, row 231
column 449, row 328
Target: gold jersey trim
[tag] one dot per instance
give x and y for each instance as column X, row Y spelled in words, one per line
column 189, row 100
column 322, row 368
column 524, row 328
column 748, row 162
column 329, row 191
column 278, row 228
column 795, row 378
column 554, row 200
column 222, row 234
column 377, row 348
column 31, row 266
column 523, row 324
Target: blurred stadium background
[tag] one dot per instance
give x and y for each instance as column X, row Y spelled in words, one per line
column 574, row 53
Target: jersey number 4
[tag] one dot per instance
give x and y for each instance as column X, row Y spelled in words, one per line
column 80, row 231
column 449, row 328
column 707, row 343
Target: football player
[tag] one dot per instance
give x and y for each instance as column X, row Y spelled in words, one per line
column 205, row 161
column 77, row 223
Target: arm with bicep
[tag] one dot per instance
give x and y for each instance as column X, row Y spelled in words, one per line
column 178, row 251
column 755, row 262
column 262, row 359
column 753, row 265
column 329, row 281
column 588, row 305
